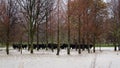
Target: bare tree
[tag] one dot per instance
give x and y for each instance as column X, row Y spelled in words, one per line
column 9, row 19
column 115, row 15
column 34, row 12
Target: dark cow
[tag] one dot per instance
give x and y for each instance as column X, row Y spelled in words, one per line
column 16, row 46
column 19, row 46
column 24, row 46
column 64, row 46
column 85, row 46
column 41, row 46
column 82, row 46
column 72, row 46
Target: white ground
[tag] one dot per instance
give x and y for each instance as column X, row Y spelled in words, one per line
column 46, row 59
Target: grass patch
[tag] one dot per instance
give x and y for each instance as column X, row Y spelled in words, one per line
column 2, row 45
column 104, row 45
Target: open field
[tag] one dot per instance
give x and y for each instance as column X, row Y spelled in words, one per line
column 46, row 59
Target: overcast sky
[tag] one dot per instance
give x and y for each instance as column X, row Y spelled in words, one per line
column 107, row 0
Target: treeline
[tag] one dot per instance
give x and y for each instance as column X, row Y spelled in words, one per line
column 57, row 22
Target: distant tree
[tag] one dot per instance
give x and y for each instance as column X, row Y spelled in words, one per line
column 48, row 10
column 115, row 24
column 8, row 17
column 99, row 13
column 34, row 12
column 87, row 14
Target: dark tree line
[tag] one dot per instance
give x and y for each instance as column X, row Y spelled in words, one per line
column 59, row 24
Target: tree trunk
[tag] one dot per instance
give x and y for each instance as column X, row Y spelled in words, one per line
column 31, row 39
column 28, row 41
column 31, row 45
column 21, row 44
column 7, row 48
column 51, row 33
column 68, row 48
column 58, row 49
column 37, row 36
column 88, row 44
column 58, row 41
column 8, row 39
column 46, row 33
column 79, row 41
column 94, row 44
column 115, row 47
column 31, row 36
column 58, row 31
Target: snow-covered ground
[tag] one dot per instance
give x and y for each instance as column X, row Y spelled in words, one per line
column 46, row 59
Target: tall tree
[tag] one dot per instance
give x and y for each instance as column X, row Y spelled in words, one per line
column 34, row 12
column 116, row 24
column 9, row 19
